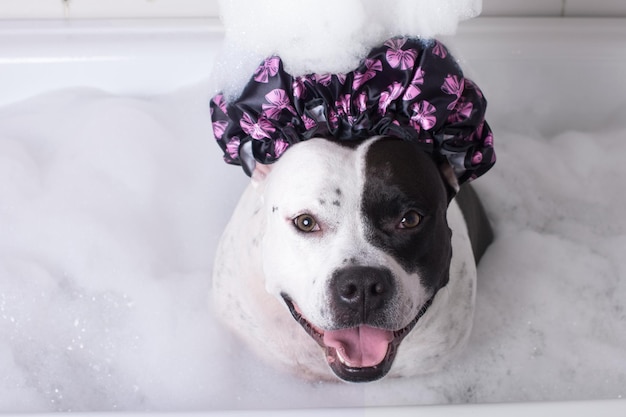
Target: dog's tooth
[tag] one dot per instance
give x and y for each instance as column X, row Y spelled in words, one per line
column 341, row 358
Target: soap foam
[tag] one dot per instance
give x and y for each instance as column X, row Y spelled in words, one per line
column 324, row 36
column 111, row 209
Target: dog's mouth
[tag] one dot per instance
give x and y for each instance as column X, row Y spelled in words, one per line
column 357, row 354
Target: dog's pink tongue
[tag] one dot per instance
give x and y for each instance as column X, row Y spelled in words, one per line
column 359, row 347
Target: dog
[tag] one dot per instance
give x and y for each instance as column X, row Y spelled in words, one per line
column 352, row 261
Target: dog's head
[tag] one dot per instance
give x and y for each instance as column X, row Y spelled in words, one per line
column 356, row 244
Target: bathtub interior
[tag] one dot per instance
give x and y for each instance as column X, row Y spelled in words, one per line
column 113, row 197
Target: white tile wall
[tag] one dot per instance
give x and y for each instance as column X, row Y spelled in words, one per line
column 45, row 9
column 596, row 8
column 567, row 8
column 142, row 8
column 30, row 9
column 522, row 7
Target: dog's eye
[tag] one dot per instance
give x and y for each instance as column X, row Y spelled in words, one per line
column 410, row 220
column 306, row 223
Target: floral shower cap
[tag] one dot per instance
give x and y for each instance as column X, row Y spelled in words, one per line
column 408, row 89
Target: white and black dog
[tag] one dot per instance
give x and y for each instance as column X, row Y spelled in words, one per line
column 356, row 259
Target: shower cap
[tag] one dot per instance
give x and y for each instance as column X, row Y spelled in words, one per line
column 407, row 88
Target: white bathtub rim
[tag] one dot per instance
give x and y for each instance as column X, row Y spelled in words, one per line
column 198, row 32
column 101, row 53
column 604, row 408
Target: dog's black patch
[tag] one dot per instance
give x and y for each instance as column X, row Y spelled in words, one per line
column 399, row 178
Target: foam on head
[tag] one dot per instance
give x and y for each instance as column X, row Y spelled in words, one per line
column 324, row 36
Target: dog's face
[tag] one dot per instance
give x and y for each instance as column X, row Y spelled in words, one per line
column 356, row 244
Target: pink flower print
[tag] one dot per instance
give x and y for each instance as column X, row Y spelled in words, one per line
column 372, row 66
column 388, row 96
column 333, row 119
column 324, row 79
column 299, row 87
column 361, row 102
column 261, row 129
column 477, row 158
column 280, row 146
column 343, row 107
column 397, row 57
column 413, row 90
column 488, row 142
column 278, row 101
column 267, row 69
column 220, row 102
column 465, row 109
column 218, row 129
column 469, row 85
column 341, row 78
column 395, row 43
column 308, row 122
column 462, row 111
column 454, row 86
column 440, row 50
column 232, row 147
column 423, row 115
column 343, row 104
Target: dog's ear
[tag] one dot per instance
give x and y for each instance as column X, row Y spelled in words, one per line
column 449, row 179
column 254, row 169
column 260, row 173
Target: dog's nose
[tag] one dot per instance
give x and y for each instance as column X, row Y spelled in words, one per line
column 360, row 293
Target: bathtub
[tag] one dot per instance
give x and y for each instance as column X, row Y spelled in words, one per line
column 524, row 66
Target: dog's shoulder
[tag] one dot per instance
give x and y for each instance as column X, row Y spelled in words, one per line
column 478, row 225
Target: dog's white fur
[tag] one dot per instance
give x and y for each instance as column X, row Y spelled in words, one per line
column 261, row 255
